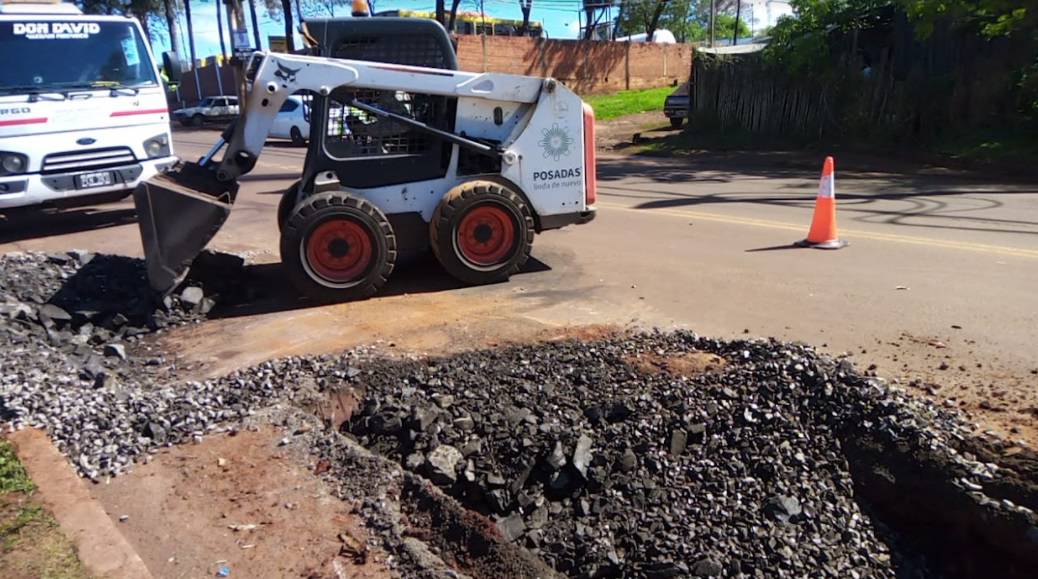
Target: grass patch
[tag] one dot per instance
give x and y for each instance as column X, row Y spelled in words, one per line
column 628, row 102
column 31, row 543
column 13, row 477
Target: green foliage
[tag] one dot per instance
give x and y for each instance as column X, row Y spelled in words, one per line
column 689, row 20
column 992, row 18
column 13, row 477
column 723, row 28
column 628, row 102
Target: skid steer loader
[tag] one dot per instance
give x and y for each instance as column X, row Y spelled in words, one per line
column 405, row 153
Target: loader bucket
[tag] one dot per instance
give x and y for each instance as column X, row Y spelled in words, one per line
column 179, row 213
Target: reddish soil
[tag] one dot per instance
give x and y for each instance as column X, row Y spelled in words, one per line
column 239, row 501
column 687, row 364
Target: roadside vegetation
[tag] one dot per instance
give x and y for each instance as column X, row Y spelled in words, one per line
column 31, row 544
column 628, row 102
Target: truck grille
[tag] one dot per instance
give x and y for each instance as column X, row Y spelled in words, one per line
column 85, row 160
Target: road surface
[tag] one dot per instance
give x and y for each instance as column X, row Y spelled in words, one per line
column 936, row 290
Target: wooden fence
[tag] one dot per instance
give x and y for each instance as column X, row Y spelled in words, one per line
column 879, row 83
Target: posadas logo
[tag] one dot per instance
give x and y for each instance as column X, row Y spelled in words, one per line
column 556, row 142
column 58, row 30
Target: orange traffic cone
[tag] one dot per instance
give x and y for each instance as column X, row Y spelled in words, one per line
column 823, row 226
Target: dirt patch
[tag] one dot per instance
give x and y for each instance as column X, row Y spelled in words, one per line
column 617, row 134
column 239, row 501
column 681, row 364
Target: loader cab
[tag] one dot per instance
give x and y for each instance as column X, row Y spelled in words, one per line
column 363, row 150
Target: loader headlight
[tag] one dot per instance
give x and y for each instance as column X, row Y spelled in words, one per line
column 157, row 146
column 12, row 163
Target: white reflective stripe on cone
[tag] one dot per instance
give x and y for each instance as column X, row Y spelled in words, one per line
column 827, row 186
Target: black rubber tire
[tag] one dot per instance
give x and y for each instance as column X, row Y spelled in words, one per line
column 452, row 209
column 297, row 136
column 676, row 123
column 197, row 120
column 314, row 211
column 286, row 205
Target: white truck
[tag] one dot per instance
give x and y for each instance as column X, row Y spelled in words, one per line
column 83, row 112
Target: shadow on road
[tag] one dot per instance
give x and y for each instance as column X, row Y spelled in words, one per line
column 24, row 224
column 963, row 202
column 274, row 293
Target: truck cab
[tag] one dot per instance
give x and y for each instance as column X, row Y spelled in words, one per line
column 83, row 112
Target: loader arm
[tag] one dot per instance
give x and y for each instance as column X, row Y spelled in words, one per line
column 274, row 77
column 179, row 213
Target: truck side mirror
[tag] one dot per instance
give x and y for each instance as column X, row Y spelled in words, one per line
column 174, row 68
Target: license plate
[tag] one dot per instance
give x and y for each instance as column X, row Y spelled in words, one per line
column 90, row 180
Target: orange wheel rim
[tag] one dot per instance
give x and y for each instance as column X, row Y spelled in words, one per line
column 486, row 235
column 339, row 250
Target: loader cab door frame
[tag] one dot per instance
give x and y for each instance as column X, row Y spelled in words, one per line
column 365, row 151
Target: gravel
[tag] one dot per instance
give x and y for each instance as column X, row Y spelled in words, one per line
column 596, row 465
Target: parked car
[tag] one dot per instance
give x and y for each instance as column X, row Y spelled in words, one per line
column 292, row 120
column 217, row 109
column 676, row 106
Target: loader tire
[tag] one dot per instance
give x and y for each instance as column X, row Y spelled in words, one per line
column 482, row 232
column 287, row 204
column 337, row 247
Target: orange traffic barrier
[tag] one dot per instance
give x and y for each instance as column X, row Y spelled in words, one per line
column 823, row 226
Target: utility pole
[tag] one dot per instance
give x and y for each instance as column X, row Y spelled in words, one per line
column 738, row 13
column 713, row 16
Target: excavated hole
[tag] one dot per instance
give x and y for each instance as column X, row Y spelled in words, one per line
column 912, row 496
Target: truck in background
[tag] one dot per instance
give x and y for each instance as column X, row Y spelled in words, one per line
column 83, row 112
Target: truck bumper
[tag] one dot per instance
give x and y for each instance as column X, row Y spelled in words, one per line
column 57, row 188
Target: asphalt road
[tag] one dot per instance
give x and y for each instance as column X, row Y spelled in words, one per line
column 938, row 285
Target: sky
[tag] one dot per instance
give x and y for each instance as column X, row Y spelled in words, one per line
column 561, row 18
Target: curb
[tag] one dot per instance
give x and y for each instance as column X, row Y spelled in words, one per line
column 100, row 546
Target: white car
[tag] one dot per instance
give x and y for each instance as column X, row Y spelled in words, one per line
column 293, row 120
column 209, row 110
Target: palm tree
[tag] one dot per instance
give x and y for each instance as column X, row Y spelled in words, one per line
column 255, row 25
column 170, row 12
column 286, row 7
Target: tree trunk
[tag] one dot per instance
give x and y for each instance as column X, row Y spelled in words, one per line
column 255, row 25
column 453, row 15
column 651, row 29
column 440, row 16
column 170, row 9
column 619, row 19
column 525, row 6
column 219, row 28
column 290, row 41
column 190, row 31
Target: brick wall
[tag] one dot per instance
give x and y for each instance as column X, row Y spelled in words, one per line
column 586, row 66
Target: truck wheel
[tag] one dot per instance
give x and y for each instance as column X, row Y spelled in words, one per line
column 196, row 121
column 337, row 247
column 481, row 232
column 676, row 122
column 297, row 137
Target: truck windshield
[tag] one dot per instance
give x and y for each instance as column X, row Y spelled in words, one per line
column 52, row 55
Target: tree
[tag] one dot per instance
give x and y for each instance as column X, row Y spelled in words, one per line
column 525, row 6
column 255, row 25
column 453, row 14
column 170, row 12
column 281, row 10
column 190, row 31
column 145, row 11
